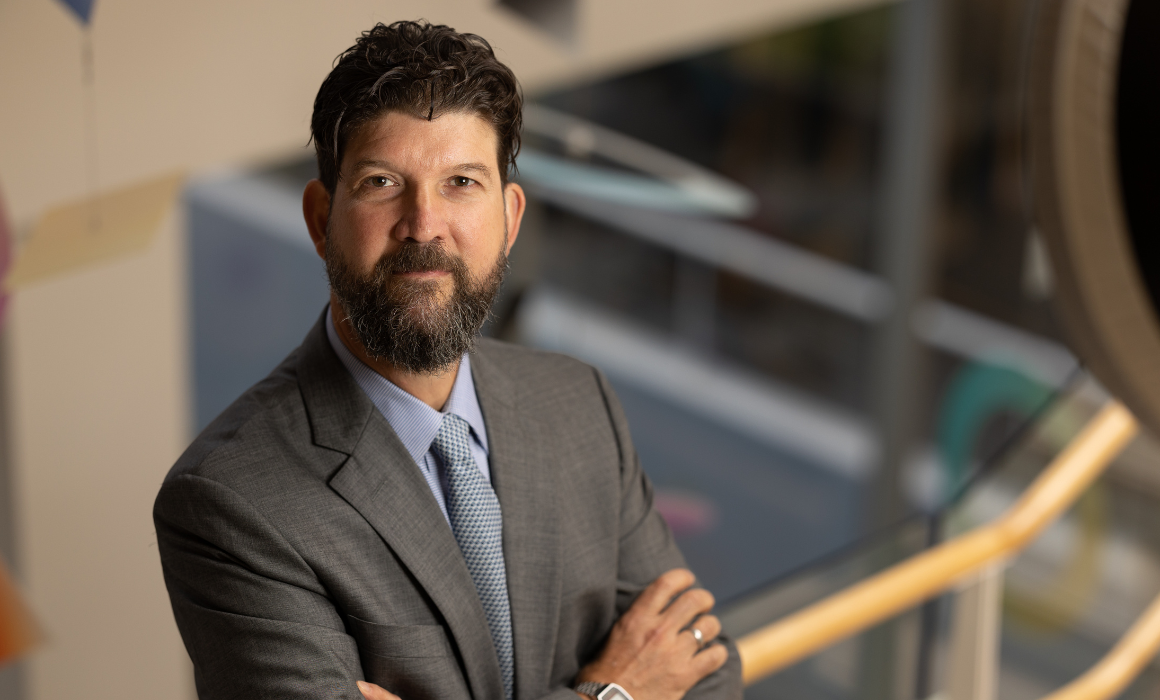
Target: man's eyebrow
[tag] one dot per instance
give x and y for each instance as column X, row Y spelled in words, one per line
column 370, row 163
column 473, row 167
column 468, row 167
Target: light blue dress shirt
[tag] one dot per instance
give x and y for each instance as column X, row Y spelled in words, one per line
column 415, row 422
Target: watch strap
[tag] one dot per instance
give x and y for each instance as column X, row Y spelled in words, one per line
column 597, row 689
column 590, row 688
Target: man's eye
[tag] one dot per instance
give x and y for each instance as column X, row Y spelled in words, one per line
column 379, row 181
column 460, row 181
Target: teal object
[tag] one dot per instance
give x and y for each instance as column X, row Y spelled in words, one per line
column 978, row 392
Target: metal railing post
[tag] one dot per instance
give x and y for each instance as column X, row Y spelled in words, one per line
column 973, row 656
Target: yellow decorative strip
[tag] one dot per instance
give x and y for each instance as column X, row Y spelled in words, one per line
column 94, row 230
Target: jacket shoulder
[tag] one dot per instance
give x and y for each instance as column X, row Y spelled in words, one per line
column 266, row 424
column 531, row 367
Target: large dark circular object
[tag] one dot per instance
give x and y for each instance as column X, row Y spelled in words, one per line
column 1095, row 160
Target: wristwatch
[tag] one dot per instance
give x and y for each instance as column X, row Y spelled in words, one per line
column 603, row 691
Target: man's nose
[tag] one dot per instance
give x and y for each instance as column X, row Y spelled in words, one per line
column 422, row 220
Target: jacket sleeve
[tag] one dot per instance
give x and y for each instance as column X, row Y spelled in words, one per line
column 647, row 549
column 255, row 619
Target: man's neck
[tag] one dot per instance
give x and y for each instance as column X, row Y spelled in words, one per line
column 431, row 389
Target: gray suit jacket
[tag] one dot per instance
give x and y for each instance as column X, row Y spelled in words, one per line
column 303, row 550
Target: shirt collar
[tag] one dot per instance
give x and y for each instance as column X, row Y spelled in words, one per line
column 414, row 422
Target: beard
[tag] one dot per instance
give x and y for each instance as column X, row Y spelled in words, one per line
column 406, row 322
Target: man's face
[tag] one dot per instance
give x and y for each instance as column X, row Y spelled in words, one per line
column 418, row 234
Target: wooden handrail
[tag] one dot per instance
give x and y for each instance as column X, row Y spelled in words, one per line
column 925, row 575
column 1121, row 665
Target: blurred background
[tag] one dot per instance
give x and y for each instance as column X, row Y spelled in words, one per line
column 794, row 234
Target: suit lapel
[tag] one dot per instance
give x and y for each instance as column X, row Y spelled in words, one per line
column 382, row 482
column 522, row 479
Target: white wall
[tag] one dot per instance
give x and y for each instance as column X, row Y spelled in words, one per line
column 98, row 380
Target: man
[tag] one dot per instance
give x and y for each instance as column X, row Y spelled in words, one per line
column 399, row 510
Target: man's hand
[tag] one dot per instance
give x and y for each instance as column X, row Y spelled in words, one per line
column 370, row 691
column 652, row 651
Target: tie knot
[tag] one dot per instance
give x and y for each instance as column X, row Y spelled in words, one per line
column 453, row 441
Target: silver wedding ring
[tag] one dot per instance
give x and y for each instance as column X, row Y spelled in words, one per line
column 698, row 636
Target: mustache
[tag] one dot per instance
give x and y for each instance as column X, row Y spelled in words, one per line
column 420, row 257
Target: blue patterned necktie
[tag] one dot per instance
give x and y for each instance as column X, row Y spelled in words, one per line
column 478, row 525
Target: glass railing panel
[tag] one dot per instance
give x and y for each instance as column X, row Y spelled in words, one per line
column 1079, row 587
column 851, row 669
column 908, row 656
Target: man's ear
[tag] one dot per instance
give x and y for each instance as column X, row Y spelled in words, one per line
column 514, row 203
column 316, row 211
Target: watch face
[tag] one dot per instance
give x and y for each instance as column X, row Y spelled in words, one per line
column 614, row 692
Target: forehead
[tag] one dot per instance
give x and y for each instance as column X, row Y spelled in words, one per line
column 405, row 140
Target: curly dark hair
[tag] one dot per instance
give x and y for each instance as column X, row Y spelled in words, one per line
column 422, row 69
